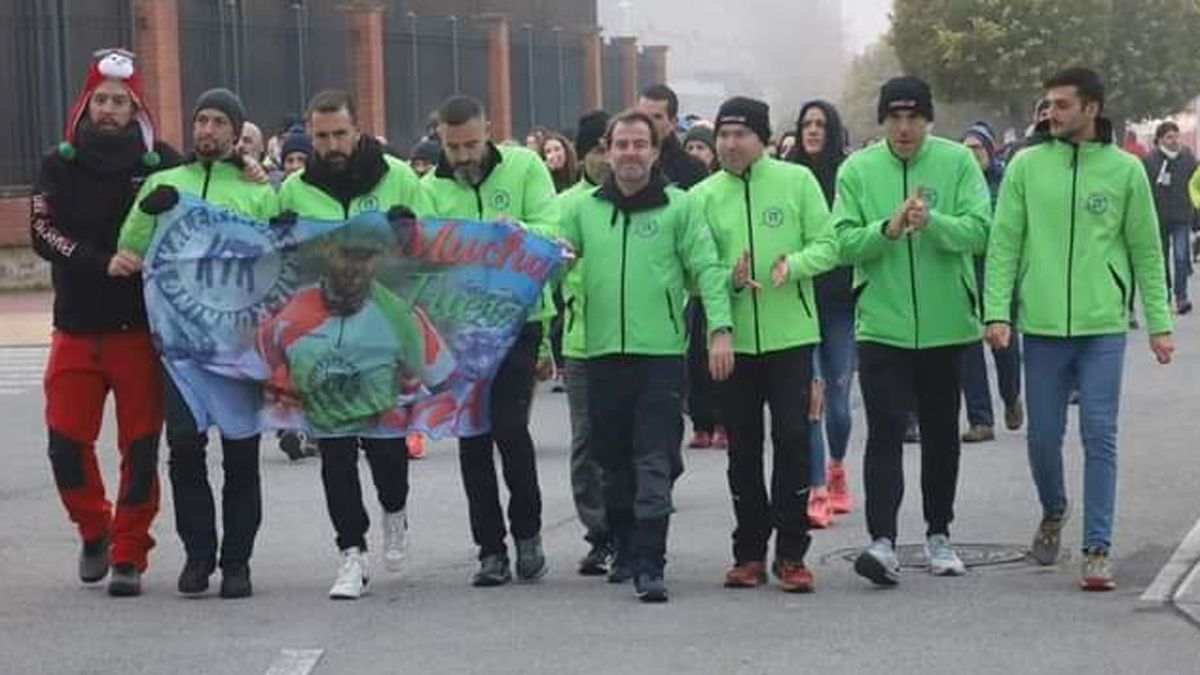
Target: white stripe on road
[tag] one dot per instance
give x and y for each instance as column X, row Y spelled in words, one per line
column 1181, row 565
column 295, row 661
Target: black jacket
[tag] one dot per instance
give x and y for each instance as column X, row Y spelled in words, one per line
column 81, row 198
column 833, row 289
column 1169, row 181
column 680, row 168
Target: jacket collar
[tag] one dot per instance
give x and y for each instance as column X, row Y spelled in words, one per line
column 653, row 196
column 365, row 169
column 1104, row 134
column 491, row 159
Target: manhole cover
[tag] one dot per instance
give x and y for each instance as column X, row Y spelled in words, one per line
column 912, row 556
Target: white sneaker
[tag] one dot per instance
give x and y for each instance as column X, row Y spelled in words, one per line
column 351, row 582
column 943, row 561
column 395, row 539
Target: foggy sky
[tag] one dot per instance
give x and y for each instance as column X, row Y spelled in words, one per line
column 786, row 51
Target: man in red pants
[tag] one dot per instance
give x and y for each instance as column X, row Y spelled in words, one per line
column 101, row 340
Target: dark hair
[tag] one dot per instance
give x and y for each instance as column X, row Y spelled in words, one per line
column 1164, row 129
column 661, row 92
column 459, row 110
column 633, row 117
column 565, row 177
column 1086, row 81
column 331, row 101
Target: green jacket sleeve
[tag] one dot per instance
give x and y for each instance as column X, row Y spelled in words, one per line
column 266, row 206
column 138, row 228
column 1004, row 247
column 1144, row 242
column 1194, row 188
column 541, row 207
column 695, row 247
column 820, row 252
column 859, row 240
column 965, row 229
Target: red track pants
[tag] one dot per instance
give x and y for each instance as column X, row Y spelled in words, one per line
column 82, row 369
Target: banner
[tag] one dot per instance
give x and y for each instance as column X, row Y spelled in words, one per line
column 358, row 328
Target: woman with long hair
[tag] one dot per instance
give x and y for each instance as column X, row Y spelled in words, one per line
column 559, row 155
column 821, row 146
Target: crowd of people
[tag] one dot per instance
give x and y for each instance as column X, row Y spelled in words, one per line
column 711, row 262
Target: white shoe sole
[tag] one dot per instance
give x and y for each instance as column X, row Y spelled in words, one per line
column 948, row 570
column 346, row 595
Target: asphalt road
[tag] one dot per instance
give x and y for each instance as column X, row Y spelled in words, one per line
column 1002, row 619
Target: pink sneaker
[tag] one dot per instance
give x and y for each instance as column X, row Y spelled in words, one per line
column 839, row 492
column 416, row 446
column 820, row 513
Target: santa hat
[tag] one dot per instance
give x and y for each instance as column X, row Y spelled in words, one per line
column 111, row 64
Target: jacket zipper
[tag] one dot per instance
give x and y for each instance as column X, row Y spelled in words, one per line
column 750, row 238
column 1071, row 243
column 624, row 246
column 912, row 270
column 207, row 177
column 570, row 315
column 479, row 202
column 341, row 332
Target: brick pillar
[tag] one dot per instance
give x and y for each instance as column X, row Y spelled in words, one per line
column 156, row 41
column 593, row 69
column 499, row 75
column 657, row 55
column 364, row 41
column 627, row 59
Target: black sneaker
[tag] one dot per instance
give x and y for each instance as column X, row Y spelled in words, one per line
column 235, row 581
column 126, row 581
column 650, row 588
column 494, row 570
column 193, row 580
column 292, row 444
column 93, row 560
column 596, row 562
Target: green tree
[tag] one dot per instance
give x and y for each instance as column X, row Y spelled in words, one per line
column 999, row 51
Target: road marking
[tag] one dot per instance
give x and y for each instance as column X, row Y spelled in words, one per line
column 295, row 661
column 1181, row 565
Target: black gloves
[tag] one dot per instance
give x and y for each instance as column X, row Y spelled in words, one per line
column 399, row 212
column 284, row 220
column 160, row 200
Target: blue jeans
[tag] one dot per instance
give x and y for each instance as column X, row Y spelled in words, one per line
column 834, row 361
column 1052, row 367
column 976, row 390
column 1178, row 238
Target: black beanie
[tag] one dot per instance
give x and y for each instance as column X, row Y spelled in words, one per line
column 227, row 102
column 905, row 93
column 592, row 128
column 752, row 113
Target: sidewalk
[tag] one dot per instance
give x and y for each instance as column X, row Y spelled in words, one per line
column 25, row 318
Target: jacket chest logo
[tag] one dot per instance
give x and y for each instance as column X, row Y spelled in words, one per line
column 773, row 217
column 1097, row 203
column 645, row 229
column 368, row 203
column 931, row 196
column 501, row 200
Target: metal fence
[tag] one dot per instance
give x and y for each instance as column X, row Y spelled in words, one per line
column 275, row 55
column 45, row 47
